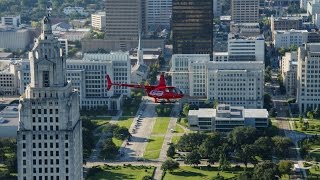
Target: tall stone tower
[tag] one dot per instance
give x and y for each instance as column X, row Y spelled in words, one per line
column 49, row 135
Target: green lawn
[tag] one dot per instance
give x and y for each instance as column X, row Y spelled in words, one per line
column 194, row 173
column 153, row 147
column 125, row 122
column 314, row 127
column 120, row 173
column 178, row 129
column 116, row 141
column 313, row 173
column 175, row 139
column 161, row 125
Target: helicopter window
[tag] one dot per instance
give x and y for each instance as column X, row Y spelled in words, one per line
column 167, row 90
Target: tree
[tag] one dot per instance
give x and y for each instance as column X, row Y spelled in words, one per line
column 242, row 135
column 264, row 147
column 310, row 114
column 267, row 101
column 193, row 158
column 218, row 177
column 186, row 108
column 169, row 165
column 109, row 149
column 245, row 175
column 171, row 151
column 281, row 145
column 192, row 141
column 285, row 167
column 121, row 133
column 265, row 171
column 273, row 112
column 210, row 144
column 224, row 164
column 247, row 154
column 147, row 178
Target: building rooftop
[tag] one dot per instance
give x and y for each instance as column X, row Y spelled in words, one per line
column 290, row 31
column 256, row 113
column 9, row 116
column 203, row 112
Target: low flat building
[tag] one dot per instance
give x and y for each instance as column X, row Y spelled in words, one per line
column 9, row 120
column 15, row 39
column 286, row 39
column 225, row 117
column 286, row 23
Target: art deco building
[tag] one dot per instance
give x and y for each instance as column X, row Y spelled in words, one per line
column 192, row 26
column 49, row 134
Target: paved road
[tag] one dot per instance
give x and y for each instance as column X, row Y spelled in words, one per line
column 138, row 142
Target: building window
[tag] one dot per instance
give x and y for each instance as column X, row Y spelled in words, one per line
column 24, row 154
column 66, row 137
column 57, row 111
column 57, row 119
column 45, row 111
column 24, row 162
column 51, row 111
column 46, row 81
column 24, row 171
column 23, row 137
column 39, row 111
column 33, row 111
column 23, row 145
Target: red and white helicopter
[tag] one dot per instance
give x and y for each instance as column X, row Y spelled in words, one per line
column 160, row 91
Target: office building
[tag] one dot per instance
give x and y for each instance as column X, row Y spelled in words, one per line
column 286, row 23
column 49, row 141
column 98, row 21
column 241, row 48
column 64, row 46
column 286, row 39
column 124, row 19
column 88, row 77
column 217, row 8
column 7, row 83
column 225, row 117
column 289, row 65
column 245, row 11
column 11, row 21
column 313, row 7
column 15, row 39
column 236, row 83
column 158, row 15
column 192, row 26
column 74, row 10
column 304, row 4
column 308, row 89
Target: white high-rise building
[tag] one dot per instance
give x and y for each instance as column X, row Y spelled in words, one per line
column 158, row 14
column 308, row 78
column 289, row 64
column 237, row 83
column 49, row 137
